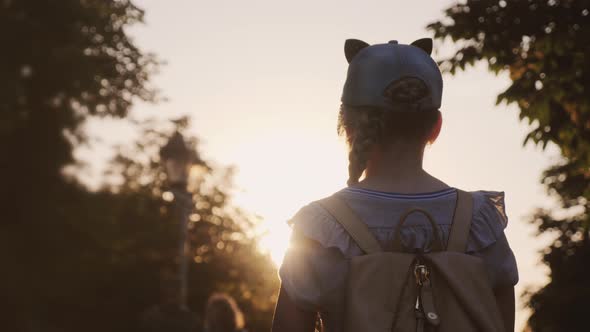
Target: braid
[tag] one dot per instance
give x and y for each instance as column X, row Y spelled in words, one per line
column 367, row 125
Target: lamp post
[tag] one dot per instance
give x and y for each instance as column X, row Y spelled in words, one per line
column 177, row 159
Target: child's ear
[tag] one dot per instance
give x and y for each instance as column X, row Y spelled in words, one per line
column 435, row 130
column 425, row 44
column 352, row 47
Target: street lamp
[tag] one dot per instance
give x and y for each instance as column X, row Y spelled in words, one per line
column 177, row 159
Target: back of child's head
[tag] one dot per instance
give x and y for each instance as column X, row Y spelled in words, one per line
column 222, row 314
column 392, row 94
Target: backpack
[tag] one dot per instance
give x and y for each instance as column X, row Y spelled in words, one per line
column 441, row 289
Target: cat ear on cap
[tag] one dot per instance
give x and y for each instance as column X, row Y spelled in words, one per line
column 352, row 47
column 425, row 44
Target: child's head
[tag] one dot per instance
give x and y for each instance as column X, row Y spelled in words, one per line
column 392, row 94
column 222, row 314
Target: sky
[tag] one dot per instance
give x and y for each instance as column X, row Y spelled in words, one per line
column 261, row 82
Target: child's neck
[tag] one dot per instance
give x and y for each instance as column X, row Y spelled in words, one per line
column 399, row 169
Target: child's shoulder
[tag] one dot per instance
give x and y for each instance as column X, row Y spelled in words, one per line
column 313, row 221
column 490, row 205
column 489, row 220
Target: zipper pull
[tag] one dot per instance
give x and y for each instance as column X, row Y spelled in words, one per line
column 427, row 301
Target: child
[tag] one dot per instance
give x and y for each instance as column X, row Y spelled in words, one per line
column 389, row 113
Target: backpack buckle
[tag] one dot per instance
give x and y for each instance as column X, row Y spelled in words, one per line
column 421, row 274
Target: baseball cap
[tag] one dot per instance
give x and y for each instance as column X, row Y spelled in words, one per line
column 373, row 69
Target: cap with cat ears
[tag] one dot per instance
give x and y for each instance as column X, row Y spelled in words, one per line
column 374, row 68
column 353, row 46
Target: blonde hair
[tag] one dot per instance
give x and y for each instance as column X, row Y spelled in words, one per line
column 368, row 127
column 223, row 314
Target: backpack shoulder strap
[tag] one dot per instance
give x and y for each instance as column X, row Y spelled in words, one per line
column 351, row 223
column 461, row 224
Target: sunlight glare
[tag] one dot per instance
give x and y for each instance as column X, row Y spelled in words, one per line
column 276, row 241
column 277, row 193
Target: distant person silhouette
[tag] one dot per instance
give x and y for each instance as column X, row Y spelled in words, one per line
column 223, row 314
column 390, row 112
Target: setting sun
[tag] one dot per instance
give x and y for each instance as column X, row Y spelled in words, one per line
column 276, row 241
column 316, row 167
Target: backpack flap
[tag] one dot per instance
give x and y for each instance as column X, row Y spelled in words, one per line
column 462, row 293
column 378, row 288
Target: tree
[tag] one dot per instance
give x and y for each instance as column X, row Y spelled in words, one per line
column 61, row 62
column 93, row 261
column 65, row 61
column 543, row 44
column 78, row 260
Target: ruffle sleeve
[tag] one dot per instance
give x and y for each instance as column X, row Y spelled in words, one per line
column 489, row 220
column 313, row 274
column 488, row 241
column 315, row 223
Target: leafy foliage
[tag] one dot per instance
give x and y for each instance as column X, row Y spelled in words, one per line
column 84, row 64
column 224, row 251
column 543, row 44
column 61, row 62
